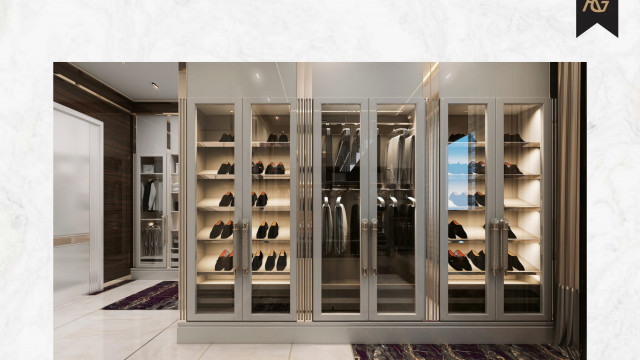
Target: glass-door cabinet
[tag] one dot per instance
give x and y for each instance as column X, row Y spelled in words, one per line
column 495, row 233
column 151, row 213
column 368, row 242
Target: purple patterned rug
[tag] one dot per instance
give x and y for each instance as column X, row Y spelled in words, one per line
column 162, row 296
column 450, row 352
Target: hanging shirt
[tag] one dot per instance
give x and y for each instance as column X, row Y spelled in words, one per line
column 408, row 160
column 344, row 148
column 327, row 229
column 354, row 242
column 395, row 151
column 340, row 230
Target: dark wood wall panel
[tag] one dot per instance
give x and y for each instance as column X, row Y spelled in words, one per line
column 118, row 167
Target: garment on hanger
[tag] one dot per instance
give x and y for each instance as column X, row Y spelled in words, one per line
column 344, row 148
column 146, row 193
column 395, row 151
column 390, row 226
column 354, row 158
column 327, row 156
column 340, row 230
column 354, row 229
column 157, row 205
column 152, row 240
column 327, row 228
column 408, row 160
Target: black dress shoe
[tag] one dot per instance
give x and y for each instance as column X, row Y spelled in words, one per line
column 454, row 262
column 273, row 230
column 270, row 169
column 512, row 138
column 256, row 263
column 222, row 260
column 455, row 137
column 271, row 261
column 257, row 168
column 456, row 228
column 224, row 168
column 272, row 138
column 463, row 260
column 481, row 167
column 254, row 198
column 262, row 230
column 514, row 262
column 279, row 169
column 511, row 169
column 479, row 198
column 216, row 230
column 511, row 235
column 225, row 138
column 232, row 169
column 229, row 262
column 226, row 199
column 262, row 199
column 282, row 261
column 476, row 259
column 283, row 138
column 228, row 230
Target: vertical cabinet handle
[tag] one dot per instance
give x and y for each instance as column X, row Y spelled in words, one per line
column 245, row 240
column 236, row 232
column 504, row 245
column 496, row 255
column 363, row 256
column 373, row 239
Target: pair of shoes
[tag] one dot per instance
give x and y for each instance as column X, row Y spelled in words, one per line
column 458, row 261
column 260, row 201
column 221, row 229
column 464, row 137
column 227, row 200
column 225, row 261
column 273, row 230
column 511, row 169
column 465, row 199
column 274, row 138
column 456, row 229
column 257, row 168
column 226, row 168
column 510, row 234
column 271, row 261
column 478, row 259
column 272, row 169
column 226, row 137
column 512, row 138
column 514, row 262
column 477, row 167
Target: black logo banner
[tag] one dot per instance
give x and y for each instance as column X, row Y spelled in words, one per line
column 591, row 12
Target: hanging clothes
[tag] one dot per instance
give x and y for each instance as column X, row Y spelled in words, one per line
column 354, row 158
column 354, row 229
column 327, row 157
column 152, row 240
column 340, row 230
column 395, row 152
column 408, row 160
column 157, row 204
column 149, row 196
column 327, row 228
column 344, row 149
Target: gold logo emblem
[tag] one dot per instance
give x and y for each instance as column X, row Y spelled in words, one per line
column 596, row 6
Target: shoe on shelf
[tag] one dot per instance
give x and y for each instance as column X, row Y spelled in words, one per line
column 225, row 138
column 464, row 261
column 232, row 169
column 272, row 138
column 224, row 168
column 270, row 169
column 479, row 197
column 455, row 137
column 511, row 169
column 216, row 230
column 262, row 199
column 262, row 230
column 229, row 262
column 512, row 138
column 481, row 167
column 257, row 168
column 455, row 228
column 476, row 259
column 453, row 261
column 273, row 230
column 514, row 262
column 254, row 198
column 222, row 260
column 256, row 263
column 279, row 169
column 282, row 261
column 511, row 235
column 228, row 230
column 283, row 138
column 271, row 261
column 226, row 199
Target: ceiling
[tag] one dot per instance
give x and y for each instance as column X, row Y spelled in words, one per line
column 133, row 79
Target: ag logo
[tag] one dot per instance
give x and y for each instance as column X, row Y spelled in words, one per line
column 591, row 12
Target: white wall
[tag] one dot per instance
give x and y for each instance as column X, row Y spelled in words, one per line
column 151, row 134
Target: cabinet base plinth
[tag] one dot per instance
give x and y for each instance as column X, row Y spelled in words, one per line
column 154, row 274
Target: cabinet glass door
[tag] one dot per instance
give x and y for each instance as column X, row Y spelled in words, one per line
column 340, row 143
column 218, row 135
column 152, row 219
column 270, row 207
column 467, row 157
column 397, row 236
column 521, row 132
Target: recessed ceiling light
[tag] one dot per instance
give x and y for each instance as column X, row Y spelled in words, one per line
column 277, row 117
column 155, row 86
column 231, row 111
column 257, row 76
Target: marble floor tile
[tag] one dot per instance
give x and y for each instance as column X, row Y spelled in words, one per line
column 86, row 304
column 164, row 346
column 247, row 352
column 113, row 334
column 321, row 352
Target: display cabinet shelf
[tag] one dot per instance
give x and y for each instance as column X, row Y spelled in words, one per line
column 522, row 176
column 203, row 235
column 264, row 144
column 520, row 144
column 465, row 208
column 477, row 234
column 528, row 270
column 213, row 175
column 274, row 205
column 478, row 144
column 285, row 176
column 519, row 204
column 215, row 144
column 213, row 205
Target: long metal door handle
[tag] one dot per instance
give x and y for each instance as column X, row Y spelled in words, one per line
column 504, row 245
column 236, row 232
column 373, row 246
column 363, row 238
column 245, row 247
column 494, row 234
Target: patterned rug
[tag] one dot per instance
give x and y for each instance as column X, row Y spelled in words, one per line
column 112, row 286
column 162, row 296
column 457, row 352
